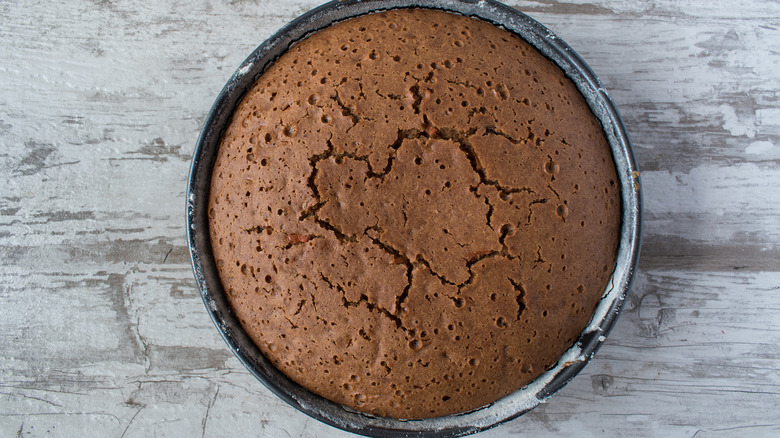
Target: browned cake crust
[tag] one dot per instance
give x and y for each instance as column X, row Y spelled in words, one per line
column 414, row 213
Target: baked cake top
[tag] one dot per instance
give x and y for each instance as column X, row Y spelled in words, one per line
column 414, row 213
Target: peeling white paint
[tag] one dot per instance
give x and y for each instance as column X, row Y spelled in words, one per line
column 733, row 124
column 768, row 117
column 759, row 147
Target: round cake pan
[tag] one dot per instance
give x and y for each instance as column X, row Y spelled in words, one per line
column 507, row 408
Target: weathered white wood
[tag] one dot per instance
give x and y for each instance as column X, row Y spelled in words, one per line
column 102, row 332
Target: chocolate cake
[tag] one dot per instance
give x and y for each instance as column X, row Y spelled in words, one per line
column 414, row 213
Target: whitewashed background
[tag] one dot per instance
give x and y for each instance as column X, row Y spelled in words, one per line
column 103, row 333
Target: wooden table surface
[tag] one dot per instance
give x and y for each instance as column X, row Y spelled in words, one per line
column 102, row 330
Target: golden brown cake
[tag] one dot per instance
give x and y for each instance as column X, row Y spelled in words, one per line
column 414, row 213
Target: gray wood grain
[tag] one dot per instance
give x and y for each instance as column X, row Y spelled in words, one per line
column 102, row 331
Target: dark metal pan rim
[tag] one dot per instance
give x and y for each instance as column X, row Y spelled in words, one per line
column 507, row 408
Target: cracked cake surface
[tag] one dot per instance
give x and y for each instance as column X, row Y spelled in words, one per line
column 413, row 213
